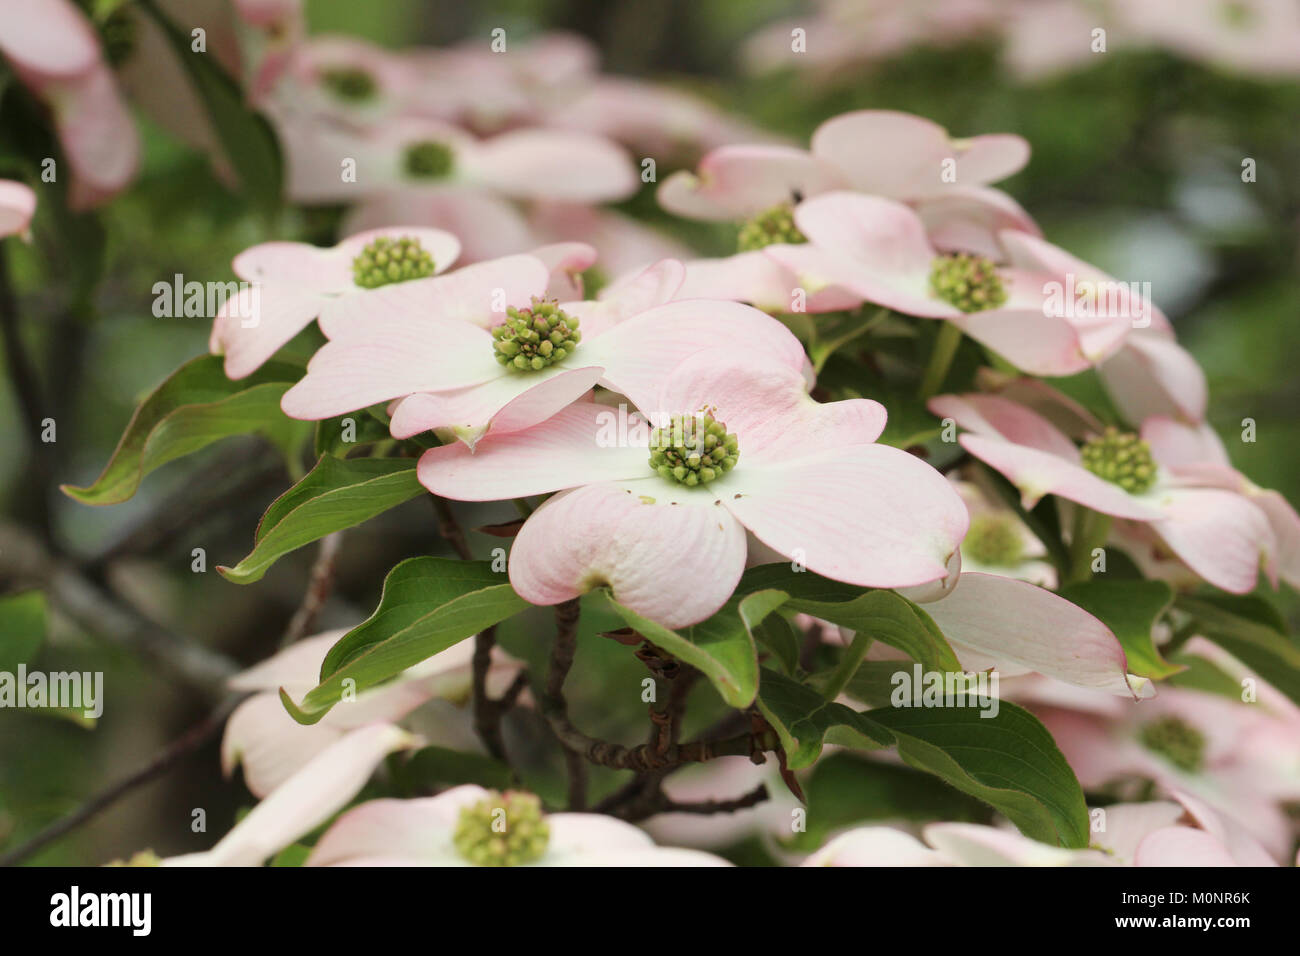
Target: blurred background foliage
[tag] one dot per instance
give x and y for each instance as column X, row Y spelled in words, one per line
column 1136, row 167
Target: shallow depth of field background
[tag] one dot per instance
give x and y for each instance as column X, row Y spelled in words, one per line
column 1136, row 167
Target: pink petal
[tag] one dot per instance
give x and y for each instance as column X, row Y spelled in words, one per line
column 752, row 277
column 579, row 444
column 1245, row 849
column 566, row 261
column 1175, row 444
column 1038, row 473
column 98, row 135
column 17, row 206
column 639, row 353
column 766, row 405
column 1153, row 375
column 418, row 831
column 906, row 153
column 875, row 846
column 478, row 295
column 972, row 844
column 1220, row 535
column 1026, row 626
column 995, row 415
column 865, row 514
column 509, row 402
column 308, row 798
column 737, row 182
column 625, row 244
column 298, row 665
column 1182, row 846
column 554, row 164
column 675, row 563
column 882, row 236
column 258, row 322
column 654, row 285
column 48, row 39
column 970, row 218
column 576, row 836
column 270, row 744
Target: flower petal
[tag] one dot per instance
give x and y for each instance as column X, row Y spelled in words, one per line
column 1154, row 375
column 257, row 322
column 555, row 164
column 580, row 444
column 17, row 205
column 1220, row 535
column 737, row 182
column 674, row 558
column 995, row 415
column 875, row 846
column 1026, row 626
column 419, row 830
column 865, row 514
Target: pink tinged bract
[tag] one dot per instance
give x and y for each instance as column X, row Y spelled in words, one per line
column 878, row 250
column 903, row 156
column 310, row 797
column 737, row 182
column 421, row 832
column 1021, row 626
column 292, row 283
column 17, row 206
column 810, row 483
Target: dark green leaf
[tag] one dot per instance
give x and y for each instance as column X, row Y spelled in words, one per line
column 1130, row 609
column 428, row 604
column 195, row 407
column 22, row 628
column 337, row 494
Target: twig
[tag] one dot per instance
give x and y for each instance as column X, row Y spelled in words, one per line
column 450, row 528
column 186, row 744
column 320, row 582
column 665, row 804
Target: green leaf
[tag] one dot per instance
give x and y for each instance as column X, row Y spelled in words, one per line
column 881, row 615
column 1247, row 629
column 802, row 718
column 1130, row 609
column 1009, row 761
column 336, row 494
column 366, row 430
column 428, row 604
column 779, row 637
column 722, row 647
column 22, row 628
column 195, row 407
column 247, row 139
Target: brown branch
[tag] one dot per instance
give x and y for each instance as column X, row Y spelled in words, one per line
column 168, row 757
column 320, row 582
column 450, row 528
column 664, row 804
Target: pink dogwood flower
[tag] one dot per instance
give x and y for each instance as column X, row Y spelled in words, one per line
column 877, row 249
column 411, row 155
column 1149, row 373
column 1241, row 758
column 271, row 746
column 314, row 793
column 660, row 516
column 454, row 374
column 52, row 47
column 1221, row 535
column 293, row 283
column 471, row 826
column 17, row 206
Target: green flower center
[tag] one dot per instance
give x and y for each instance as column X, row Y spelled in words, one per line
column 531, row 339
column 504, row 829
column 428, row 160
column 1236, row 14
column 693, row 449
column 775, row 225
column 385, row 261
column 969, row 282
column 349, row 83
column 1178, row 742
column 1121, row 458
column 994, row 540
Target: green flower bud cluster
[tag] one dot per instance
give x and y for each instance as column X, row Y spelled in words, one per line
column 349, row 83
column 1176, row 740
column 531, row 339
column 969, row 282
column 994, row 540
column 428, row 160
column 1122, row 458
column 775, row 225
column 503, row 829
column 693, row 449
column 386, row 260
